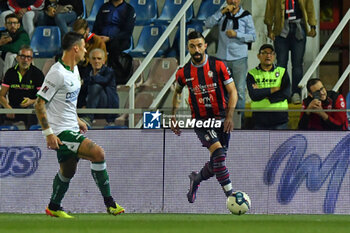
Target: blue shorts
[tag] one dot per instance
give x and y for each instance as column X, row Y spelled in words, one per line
column 209, row 136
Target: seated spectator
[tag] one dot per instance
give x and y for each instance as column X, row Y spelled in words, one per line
column 11, row 41
column 319, row 99
column 25, row 10
column 61, row 13
column 92, row 41
column 102, row 88
column 269, row 88
column 3, row 5
column 21, row 83
column 115, row 23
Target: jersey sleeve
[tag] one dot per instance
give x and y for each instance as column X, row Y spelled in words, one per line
column 339, row 119
column 227, row 76
column 51, row 84
column 180, row 77
column 7, row 79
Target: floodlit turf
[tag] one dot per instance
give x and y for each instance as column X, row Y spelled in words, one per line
column 171, row 223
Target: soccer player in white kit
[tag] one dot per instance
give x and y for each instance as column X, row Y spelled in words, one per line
column 56, row 111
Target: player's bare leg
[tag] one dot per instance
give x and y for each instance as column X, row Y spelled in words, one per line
column 93, row 152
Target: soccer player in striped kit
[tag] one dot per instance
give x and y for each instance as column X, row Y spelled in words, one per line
column 212, row 95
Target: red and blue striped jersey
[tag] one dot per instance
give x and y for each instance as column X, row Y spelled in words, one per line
column 206, row 84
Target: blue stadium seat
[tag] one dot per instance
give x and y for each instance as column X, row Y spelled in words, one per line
column 131, row 46
column 175, row 49
column 116, row 127
column 35, row 127
column 148, row 38
column 46, row 41
column 8, row 127
column 94, row 10
column 208, row 8
column 84, row 15
column 170, row 10
column 146, row 11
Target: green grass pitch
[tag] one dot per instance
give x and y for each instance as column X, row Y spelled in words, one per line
column 175, row 223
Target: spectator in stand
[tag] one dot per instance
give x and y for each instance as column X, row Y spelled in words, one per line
column 269, row 88
column 21, row 84
column 92, row 41
column 3, row 5
column 102, row 88
column 11, row 40
column 320, row 99
column 25, row 10
column 288, row 25
column 115, row 23
column 236, row 32
column 62, row 13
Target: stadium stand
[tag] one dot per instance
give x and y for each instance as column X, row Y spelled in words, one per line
column 147, row 39
column 146, row 11
column 47, row 65
column 8, row 127
column 207, row 8
column 161, row 70
column 84, row 10
column 46, row 41
column 35, row 127
column 131, row 45
column 175, row 49
column 94, row 10
column 115, row 127
column 142, row 101
column 170, row 10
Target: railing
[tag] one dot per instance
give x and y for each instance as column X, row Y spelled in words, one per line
column 180, row 17
column 321, row 55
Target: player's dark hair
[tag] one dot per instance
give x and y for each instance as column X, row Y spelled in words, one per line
column 70, row 39
column 312, row 82
column 194, row 35
column 12, row 15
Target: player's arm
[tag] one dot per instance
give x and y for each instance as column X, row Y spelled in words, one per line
column 52, row 140
column 231, row 105
column 3, row 101
column 176, row 104
column 82, row 126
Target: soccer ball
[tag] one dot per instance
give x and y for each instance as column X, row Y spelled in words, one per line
column 238, row 203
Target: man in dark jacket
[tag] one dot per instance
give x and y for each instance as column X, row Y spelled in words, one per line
column 11, row 40
column 320, row 99
column 102, row 86
column 115, row 23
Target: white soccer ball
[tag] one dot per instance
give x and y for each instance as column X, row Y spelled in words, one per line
column 238, row 203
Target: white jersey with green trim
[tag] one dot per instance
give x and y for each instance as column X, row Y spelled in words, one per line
column 60, row 90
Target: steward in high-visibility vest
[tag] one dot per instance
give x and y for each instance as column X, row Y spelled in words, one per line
column 269, row 89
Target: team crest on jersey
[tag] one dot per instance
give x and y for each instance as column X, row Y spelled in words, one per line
column 210, row 74
column 277, row 74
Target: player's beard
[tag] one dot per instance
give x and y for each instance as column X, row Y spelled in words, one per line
column 197, row 59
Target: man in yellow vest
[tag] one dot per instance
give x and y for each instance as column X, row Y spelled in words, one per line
column 269, row 88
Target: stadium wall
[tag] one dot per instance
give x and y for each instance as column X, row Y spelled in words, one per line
column 284, row 172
